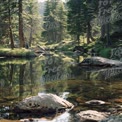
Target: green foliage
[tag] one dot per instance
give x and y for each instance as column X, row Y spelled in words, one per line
column 80, row 15
column 105, row 52
column 54, row 21
column 75, row 18
column 32, row 22
column 7, row 11
column 4, row 61
column 9, row 19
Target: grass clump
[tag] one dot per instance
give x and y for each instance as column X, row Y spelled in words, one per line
column 18, row 52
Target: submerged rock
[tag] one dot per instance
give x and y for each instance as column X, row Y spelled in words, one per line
column 91, row 116
column 95, row 102
column 44, row 103
column 100, row 61
column 115, row 118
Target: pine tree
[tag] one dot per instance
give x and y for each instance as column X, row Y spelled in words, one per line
column 75, row 19
column 116, row 20
column 80, row 15
column 61, row 17
column 110, row 20
column 7, row 10
column 32, row 22
column 104, row 19
column 54, row 21
column 88, row 9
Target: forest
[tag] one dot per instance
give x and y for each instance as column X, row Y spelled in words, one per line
column 85, row 25
column 61, row 61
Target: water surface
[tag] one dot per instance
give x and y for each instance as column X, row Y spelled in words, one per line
column 58, row 74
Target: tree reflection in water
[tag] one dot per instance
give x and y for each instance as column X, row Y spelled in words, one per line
column 53, row 74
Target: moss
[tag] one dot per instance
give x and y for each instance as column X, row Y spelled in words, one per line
column 21, row 52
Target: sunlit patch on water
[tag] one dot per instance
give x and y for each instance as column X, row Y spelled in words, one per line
column 64, row 95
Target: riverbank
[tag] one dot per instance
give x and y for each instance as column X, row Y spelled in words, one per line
column 16, row 53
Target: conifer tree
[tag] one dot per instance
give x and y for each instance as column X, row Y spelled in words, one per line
column 54, row 21
column 32, row 22
column 7, row 10
column 80, row 15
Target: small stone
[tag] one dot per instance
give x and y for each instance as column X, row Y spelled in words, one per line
column 95, row 102
column 115, row 118
column 112, row 110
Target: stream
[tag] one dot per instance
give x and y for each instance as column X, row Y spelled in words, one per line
column 58, row 74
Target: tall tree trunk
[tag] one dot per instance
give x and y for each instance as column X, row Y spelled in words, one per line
column 88, row 32
column 61, row 32
column 31, row 32
column 78, row 39
column 10, row 29
column 21, row 34
column 105, row 26
column 101, row 20
column 108, row 34
column 108, row 24
column 102, row 31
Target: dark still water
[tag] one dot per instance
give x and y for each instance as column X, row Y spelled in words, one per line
column 58, row 74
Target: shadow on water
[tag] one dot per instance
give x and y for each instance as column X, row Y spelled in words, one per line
column 59, row 75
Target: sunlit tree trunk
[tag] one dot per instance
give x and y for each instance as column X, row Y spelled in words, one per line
column 21, row 34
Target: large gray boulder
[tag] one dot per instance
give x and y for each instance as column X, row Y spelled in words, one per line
column 44, row 103
column 100, row 61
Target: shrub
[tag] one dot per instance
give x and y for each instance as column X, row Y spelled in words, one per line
column 106, row 52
